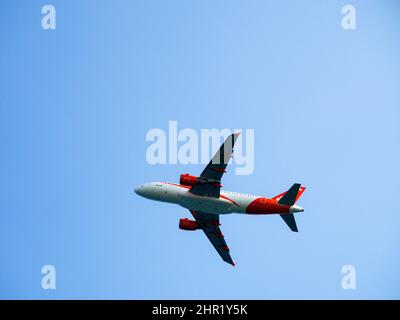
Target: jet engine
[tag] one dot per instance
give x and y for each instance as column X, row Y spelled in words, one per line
column 188, row 225
column 187, row 180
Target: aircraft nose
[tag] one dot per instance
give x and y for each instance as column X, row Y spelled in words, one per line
column 139, row 190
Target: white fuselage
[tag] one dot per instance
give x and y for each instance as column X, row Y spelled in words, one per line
column 228, row 202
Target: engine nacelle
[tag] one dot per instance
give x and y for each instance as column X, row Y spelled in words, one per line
column 189, row 225
column 187, row 180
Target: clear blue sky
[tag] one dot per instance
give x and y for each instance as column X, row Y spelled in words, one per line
column 76, row 104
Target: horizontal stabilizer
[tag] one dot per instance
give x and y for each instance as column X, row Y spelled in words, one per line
column 290, row 221
column 289, row 198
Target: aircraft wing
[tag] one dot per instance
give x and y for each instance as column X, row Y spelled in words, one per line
column 209, row 183
column 210, row 225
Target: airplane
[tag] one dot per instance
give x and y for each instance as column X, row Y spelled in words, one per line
column 206, row 201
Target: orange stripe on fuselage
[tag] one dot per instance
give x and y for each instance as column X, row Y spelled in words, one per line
column 188, row 187
column 224, row 197
column 178, row 185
